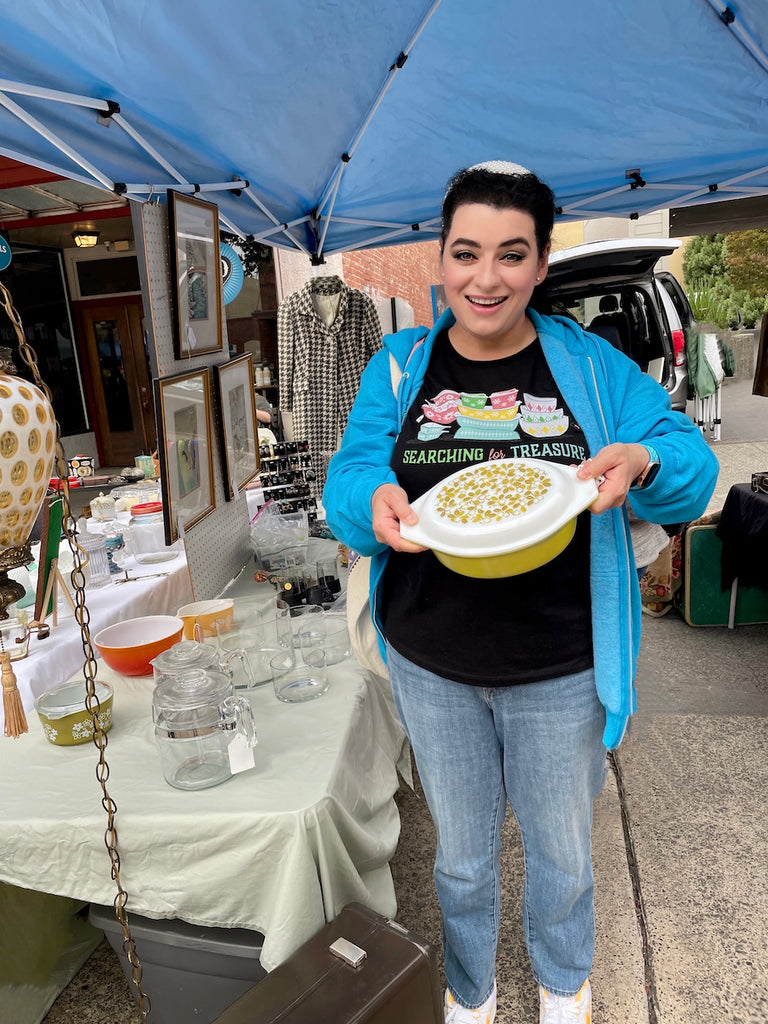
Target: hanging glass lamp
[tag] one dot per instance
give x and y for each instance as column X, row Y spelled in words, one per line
column 27, row 450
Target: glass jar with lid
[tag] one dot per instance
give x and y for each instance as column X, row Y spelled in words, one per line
column 205, row 733
column 103, row 508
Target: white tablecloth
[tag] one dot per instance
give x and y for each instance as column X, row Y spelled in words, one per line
column 60, row 655
column 279, row 848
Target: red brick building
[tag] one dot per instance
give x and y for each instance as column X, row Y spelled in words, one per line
column 398, row 271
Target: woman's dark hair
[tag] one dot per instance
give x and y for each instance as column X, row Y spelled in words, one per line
column 523, row 191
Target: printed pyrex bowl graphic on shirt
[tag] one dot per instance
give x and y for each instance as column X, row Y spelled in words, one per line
column 477, row 416
column 539, row 417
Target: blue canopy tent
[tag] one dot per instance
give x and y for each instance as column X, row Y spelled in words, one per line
column 330, row 125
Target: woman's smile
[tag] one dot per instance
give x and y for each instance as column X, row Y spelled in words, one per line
column 477, row 300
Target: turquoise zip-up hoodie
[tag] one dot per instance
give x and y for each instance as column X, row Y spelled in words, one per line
column 612, row 400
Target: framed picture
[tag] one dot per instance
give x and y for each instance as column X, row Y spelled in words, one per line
column 196, row 275
column 183, row 405
column 239, row 426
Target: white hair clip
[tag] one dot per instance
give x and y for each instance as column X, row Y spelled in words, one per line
column 500, row 167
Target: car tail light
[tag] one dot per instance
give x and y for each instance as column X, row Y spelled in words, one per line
column 678, row 344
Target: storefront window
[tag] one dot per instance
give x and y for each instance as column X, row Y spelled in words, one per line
column 35, row 280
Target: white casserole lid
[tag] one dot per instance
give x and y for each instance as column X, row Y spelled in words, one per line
column 492, row 508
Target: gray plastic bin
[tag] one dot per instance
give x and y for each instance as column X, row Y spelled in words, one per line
column 188, row 972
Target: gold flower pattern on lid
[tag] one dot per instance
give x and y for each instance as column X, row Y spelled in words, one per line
column 492, row 492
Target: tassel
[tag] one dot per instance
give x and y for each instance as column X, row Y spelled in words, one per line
column 13, row 709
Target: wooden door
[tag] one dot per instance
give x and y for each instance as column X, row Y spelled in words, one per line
column 120, row 379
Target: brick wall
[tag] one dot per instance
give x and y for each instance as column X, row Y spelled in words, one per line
column 400, row 271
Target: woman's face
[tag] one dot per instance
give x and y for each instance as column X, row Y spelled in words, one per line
column 490, row 267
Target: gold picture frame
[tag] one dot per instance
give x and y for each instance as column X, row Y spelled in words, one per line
column 193, row 226
column 185, row 450
column 239, row 425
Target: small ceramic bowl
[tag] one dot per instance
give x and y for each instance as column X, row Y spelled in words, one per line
column 129, row 647
column 220, row 612
column 66, row 720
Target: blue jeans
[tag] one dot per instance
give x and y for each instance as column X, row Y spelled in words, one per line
column 539, row 746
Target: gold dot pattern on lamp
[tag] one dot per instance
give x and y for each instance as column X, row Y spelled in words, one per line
column 18, row 473
column 20, row 415
column 9, row 444
column 492, row 493
column 27, row 445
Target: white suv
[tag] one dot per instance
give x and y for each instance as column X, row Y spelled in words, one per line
column 613, row 289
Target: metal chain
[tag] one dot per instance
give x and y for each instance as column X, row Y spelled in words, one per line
column 82, row 617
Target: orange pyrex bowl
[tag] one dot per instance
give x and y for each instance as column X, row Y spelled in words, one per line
column 129, row 647
column 501, row 518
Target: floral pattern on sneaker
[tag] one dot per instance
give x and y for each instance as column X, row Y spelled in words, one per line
column 566, row 1009
column 457, row 1014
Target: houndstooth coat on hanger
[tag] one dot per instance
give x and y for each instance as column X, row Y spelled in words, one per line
column 320, row 363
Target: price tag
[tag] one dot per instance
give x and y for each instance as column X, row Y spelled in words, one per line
column 241, row 756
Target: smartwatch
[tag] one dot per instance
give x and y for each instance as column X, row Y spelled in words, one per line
column 648, row 475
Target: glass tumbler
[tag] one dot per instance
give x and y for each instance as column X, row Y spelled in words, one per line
column 328, row 579
column 293, row 620
column 14, row 637
column 299, row 679
column 336, row 641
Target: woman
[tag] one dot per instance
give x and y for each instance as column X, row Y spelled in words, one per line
column 510, row 689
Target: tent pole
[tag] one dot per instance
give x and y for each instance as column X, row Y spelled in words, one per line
column 36, row 125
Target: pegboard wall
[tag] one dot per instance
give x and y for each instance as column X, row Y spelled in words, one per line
column 218, row 546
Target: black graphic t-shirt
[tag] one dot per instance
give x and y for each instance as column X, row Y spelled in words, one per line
column 502, row 631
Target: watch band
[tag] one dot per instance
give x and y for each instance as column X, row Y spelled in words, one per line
column 648, row 475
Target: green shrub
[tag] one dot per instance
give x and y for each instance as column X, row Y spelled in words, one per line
column 710, row 308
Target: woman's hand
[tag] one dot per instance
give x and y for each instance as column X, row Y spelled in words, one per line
column 390, row 507
column 620, row 465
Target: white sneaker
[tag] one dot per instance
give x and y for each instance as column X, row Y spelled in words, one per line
column 566, row 1009
column 456, row 1014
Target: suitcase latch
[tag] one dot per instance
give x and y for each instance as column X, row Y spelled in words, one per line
column 348, row 952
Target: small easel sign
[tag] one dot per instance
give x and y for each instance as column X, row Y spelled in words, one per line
column 48, row 575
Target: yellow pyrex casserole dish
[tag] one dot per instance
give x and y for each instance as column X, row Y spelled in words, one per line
column 501, row 518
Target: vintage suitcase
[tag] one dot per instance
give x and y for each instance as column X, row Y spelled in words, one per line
column 361, row 968
column 701, row 599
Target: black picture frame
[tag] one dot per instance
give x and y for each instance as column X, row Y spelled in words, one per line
column 193, row 226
